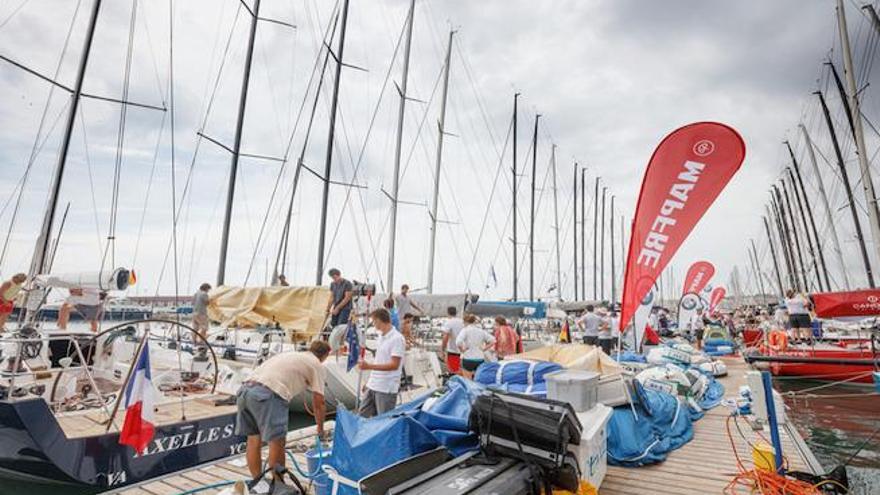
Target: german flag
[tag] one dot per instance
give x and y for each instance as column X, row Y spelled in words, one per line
column 565, row 333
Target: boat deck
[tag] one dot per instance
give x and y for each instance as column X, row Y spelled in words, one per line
column 94, row 421
column 704, row 465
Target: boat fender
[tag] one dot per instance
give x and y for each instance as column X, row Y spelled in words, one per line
column 778, row 340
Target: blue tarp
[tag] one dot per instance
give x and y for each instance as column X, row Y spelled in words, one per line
column 662, row 424
column 629, row 357
column 525, row 377
column 403, row 432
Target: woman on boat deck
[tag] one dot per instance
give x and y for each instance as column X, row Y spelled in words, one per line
column 799, row 316
column 473, row 342
column 8, row 292
column 506, row 338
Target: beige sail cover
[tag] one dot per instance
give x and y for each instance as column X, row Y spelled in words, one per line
column 573, row 356
column 299, row 310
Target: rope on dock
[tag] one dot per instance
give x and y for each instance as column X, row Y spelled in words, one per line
column 767, row 482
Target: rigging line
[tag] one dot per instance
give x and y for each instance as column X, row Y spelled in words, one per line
column 140, row 233
column 82, row 121
column 120, row 143
column 146, row 15
column 18, row 190
column 15, row 11
column 285, row 161
column 199, row 138
column 498, row 169
column 171, row 108
column 329, row 34
column 37, row 147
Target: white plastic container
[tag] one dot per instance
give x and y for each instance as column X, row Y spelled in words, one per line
column 579, row 388
column 614, row 390
column 592, row 452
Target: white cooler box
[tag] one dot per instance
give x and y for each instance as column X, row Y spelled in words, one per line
column 592, row 453
column 615, row 390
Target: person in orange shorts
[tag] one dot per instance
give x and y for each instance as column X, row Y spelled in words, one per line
column 8, row 292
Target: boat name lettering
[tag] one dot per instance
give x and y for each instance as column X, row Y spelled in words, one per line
column 655, row 241
column 188, row 439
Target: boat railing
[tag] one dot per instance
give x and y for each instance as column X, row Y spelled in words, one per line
column 27, row 344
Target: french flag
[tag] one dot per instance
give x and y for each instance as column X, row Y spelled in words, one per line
column 138, row 429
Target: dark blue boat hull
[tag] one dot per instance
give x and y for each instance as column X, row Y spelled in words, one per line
column 33, row 446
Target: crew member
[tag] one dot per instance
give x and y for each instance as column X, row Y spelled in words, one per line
column 451, row 328
column 404, row 303
column 589, row 325
column 473, row 342
column 384, row 382
column 88, row 302
column 8, row 292
column 263, row 402
column 200, row 310
column 339, row 307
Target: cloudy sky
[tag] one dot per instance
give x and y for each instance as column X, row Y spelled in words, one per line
column 610, row 79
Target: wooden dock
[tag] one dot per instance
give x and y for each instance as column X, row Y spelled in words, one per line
column 705, row 465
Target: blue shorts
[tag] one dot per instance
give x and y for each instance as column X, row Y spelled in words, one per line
column 260, row 412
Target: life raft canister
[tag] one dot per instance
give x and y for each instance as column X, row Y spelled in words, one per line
column 778, row 340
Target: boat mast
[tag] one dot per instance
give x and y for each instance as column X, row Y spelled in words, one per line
column 583, row 233
column 806, row 226
column 611, row 234
column 532, row 216
column 834, row 237
column 41, row 253
column 784, row 239
column 758, row 271
column 515, row 246
column 441, row 131
column 773, row 255
column 595, row 240
column 809, row 208
column 794, row 235
column 398, row 147
column 236, row 144
column 866, row 179
column 328, row 158
column 574, row 236
column 602, row 248
column 556, row 223
column 869, row 274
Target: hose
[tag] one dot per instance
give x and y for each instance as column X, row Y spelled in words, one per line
column 319, row 450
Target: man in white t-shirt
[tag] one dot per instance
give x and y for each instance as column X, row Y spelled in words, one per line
column 384, row 382
column 589, row 324
column 87, row 302
column 451, row 328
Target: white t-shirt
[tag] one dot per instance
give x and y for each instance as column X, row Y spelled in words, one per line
column 452, row 327
column 613, row 322
column 392, row 344
column 796, row 305
column 473, row 339
column 590, row 322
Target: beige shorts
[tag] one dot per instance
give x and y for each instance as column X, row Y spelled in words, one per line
column 200, row 323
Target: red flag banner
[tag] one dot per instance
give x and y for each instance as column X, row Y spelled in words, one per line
column 698, row 275
column 715, row 299
column 862, row 303
column 686, row 174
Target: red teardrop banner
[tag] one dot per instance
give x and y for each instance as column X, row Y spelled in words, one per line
column 686, row 174
column 698, row 275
